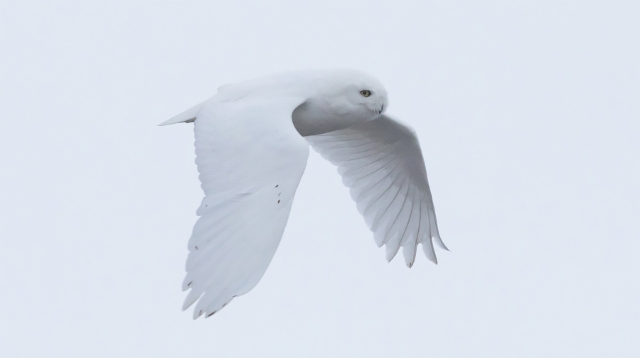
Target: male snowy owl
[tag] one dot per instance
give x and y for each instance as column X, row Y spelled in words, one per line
column 252, row 143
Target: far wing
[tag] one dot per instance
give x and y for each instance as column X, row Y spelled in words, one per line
column 187, row 116
column 250, row 160
column 381, row 162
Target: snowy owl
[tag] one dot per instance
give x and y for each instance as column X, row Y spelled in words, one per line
column 252, row 143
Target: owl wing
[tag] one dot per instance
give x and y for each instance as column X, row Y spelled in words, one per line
column 250, row 160
column 382, row 164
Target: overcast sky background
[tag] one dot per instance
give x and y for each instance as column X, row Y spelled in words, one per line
column 528, row 114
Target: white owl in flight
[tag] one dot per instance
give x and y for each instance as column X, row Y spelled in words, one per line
column 252, row 144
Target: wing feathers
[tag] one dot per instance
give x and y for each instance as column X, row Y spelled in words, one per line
column 381, row 162
column 410, row 245
column 185, row 117
column 250, row 159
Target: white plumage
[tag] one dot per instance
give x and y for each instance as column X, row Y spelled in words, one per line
column 252, row 143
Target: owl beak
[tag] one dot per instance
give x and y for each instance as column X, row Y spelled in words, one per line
column 381, row 109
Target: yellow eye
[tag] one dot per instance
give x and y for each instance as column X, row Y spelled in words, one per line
column 365, row 93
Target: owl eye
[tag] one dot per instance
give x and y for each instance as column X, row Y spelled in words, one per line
column 365, row 93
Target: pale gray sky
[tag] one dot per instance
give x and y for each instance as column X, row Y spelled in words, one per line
column 528, row 114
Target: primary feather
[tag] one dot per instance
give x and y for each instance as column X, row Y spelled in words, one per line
column 251, row 153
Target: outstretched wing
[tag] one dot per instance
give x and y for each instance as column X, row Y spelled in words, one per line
column 250, row 160
column 381, row 162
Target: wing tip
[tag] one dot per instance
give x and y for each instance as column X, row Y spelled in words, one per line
column 428, row 250
column 174, row 121
column 206, row 313
column 440, row 243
